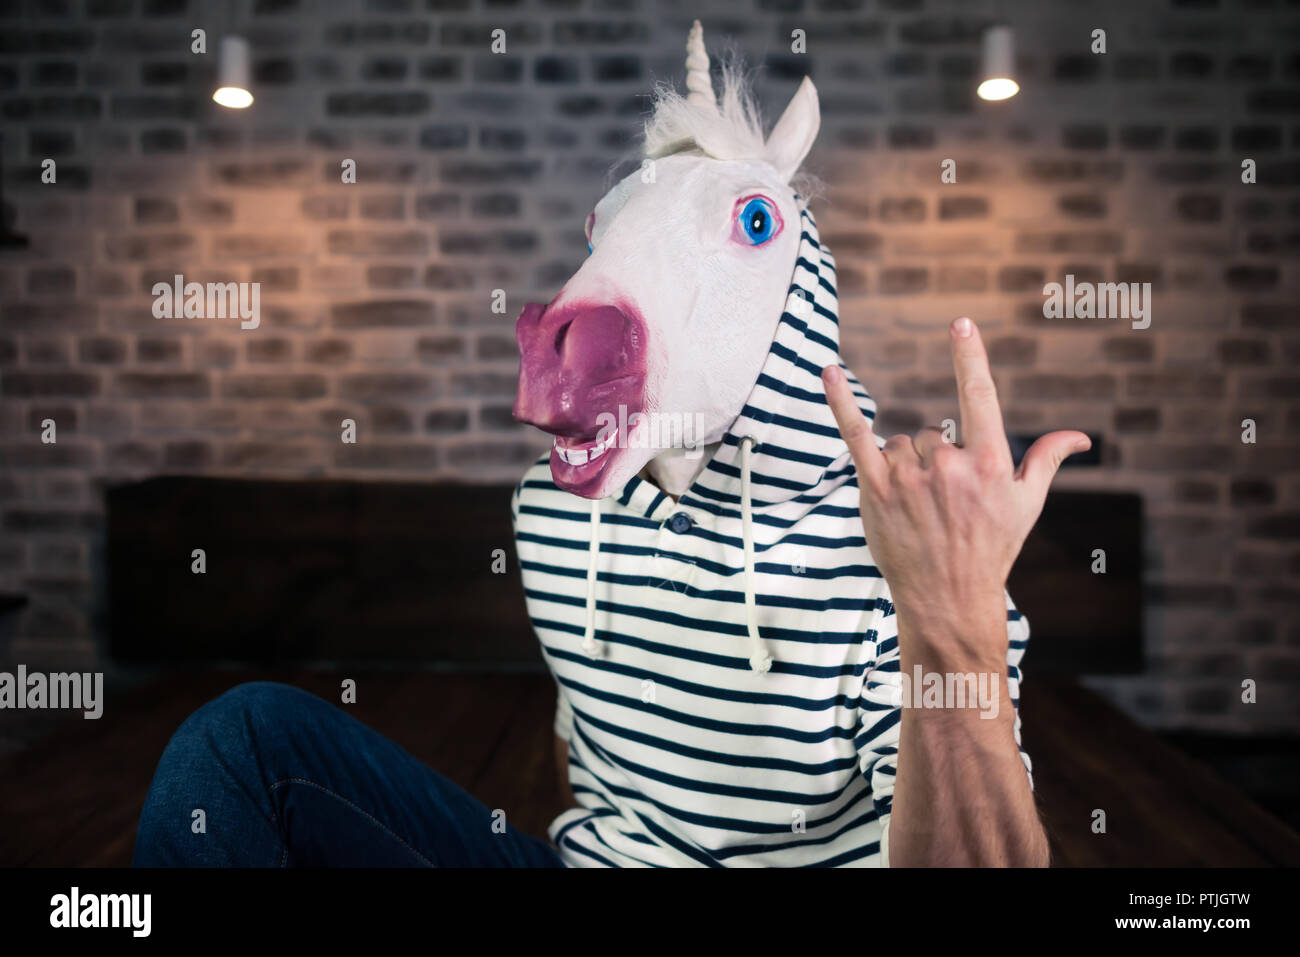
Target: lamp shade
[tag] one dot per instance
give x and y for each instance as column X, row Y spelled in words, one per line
column 233, row 84
column 998, row 70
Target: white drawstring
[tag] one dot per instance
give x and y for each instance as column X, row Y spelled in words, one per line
column 589, row 643
column 759, row 660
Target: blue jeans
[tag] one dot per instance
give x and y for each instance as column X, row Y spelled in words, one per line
column 285, row 779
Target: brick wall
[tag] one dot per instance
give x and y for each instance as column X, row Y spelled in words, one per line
column 475, row 172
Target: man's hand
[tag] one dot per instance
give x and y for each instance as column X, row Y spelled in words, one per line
column 945, row 522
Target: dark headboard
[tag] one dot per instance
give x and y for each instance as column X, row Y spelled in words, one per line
column 313, row 570
column 1081, row 622
column 402, row 574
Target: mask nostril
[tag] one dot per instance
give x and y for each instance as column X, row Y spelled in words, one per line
column 559, row 336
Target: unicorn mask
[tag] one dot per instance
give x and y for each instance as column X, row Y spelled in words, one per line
column 655, row 342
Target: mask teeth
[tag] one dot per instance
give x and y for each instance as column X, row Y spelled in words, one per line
column 603, row 445
column 583, row 456
column 571, row 456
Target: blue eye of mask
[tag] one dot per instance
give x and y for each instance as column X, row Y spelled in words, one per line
column 758, row 221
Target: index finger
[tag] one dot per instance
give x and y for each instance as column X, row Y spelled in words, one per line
column 854, row 428
column 981, row 417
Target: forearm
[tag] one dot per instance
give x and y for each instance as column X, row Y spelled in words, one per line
column 961, row 794
column 946, row 521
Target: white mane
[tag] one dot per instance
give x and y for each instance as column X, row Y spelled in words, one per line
column 733, row 132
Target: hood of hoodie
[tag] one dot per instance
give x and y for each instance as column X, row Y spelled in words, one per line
column 786, row 415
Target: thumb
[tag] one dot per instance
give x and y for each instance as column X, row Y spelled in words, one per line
column 1039, row 466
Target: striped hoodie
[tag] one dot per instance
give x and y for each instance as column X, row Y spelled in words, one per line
column 727, row 666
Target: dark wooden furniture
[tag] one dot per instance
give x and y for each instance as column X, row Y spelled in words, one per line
column 309, row 571
column 75, row 798
column 403, row 573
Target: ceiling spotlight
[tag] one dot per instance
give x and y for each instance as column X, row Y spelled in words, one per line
column 999, row 65
column 232, row 88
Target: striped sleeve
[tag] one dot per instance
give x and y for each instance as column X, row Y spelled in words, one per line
column 880, row 708
column 1017, row 642
column 880, row 711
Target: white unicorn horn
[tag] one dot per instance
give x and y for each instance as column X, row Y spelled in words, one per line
column 698, row 84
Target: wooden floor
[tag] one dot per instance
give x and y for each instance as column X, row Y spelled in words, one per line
column 74, row 799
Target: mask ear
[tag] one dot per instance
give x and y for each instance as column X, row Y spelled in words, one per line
column 793, row 135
